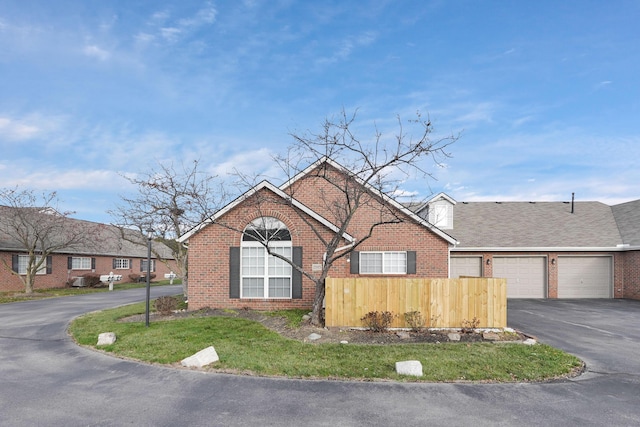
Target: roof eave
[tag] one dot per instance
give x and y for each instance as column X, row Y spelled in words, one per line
column 545, row 249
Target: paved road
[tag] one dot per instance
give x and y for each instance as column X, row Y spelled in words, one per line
column 47, row 380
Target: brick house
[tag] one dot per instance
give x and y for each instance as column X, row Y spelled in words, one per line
column 229, row 267
column 544, row 249
column 106, row 252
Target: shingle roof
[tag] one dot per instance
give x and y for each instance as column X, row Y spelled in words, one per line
column 627, row 216
column 106, row 240
column 534, row 225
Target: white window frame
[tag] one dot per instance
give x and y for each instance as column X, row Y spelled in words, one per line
column 270, row 268
column 153, row 266
column 122, row 263
column 80, row 263
column 262, row 235
column 388, row 266
column 23, row 262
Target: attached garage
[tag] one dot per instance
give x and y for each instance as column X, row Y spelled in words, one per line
column 584, row 276
column 525, row 275
column 470, row 266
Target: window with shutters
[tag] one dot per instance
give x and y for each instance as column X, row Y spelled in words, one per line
column 121, row 263
column 23, row 262
column 264, row 275
column 383, row 262
column 143, row 265
column 80, row 263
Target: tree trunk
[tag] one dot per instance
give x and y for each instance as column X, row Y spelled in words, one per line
column 28, row 285
column 185, row 286
column 317, row 315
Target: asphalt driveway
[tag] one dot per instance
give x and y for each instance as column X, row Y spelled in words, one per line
column 603, row 333
column 45, row 379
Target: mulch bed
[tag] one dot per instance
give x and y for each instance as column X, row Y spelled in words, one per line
column 331, row 335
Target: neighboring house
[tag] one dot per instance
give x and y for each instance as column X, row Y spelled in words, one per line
column 228, row 267
column 545, row 249
column 106, row 252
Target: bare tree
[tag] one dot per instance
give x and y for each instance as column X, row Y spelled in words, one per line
column 33, row 224
column 169, row 202
column 352, row 185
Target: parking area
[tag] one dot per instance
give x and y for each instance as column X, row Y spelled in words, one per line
column 602, row 332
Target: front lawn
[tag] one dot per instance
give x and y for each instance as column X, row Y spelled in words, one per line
column 246, row 346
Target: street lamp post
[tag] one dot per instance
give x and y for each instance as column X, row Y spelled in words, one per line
column 149, row 237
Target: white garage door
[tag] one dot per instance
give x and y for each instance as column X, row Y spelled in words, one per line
column 470, row 266
column 525, row 275
column 584, row 277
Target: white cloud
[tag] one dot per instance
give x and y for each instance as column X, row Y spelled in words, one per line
column 96, row 52
column 347, row 46
column 170, row 34
column 54, row 179
column 17, row 130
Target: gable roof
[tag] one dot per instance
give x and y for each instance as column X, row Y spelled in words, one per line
column 404, row 209
column 535, row 225
column 627, row 216
column 418, row 208
column 278, row 192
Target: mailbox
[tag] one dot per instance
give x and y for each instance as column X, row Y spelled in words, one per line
column 110, row 278
column 170, row 276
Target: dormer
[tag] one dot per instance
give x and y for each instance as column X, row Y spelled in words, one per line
column 439, row 211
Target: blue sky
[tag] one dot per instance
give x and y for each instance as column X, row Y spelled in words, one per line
column 546, row 94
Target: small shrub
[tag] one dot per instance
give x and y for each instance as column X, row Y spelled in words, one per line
column 468, row 326
column 92, row 280
column 134, row 278
column 141, row 278
column 378, row 321
column 165, row 305
column 415, row 320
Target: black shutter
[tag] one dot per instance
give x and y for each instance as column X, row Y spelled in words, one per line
column 49, row 264
column 296, row 288
column 411, row 262
column 113, row 263
column 234, row 272
column 355, row 262
column 69, row 263
column 14, row 263
column 130, row 263
column 141, row 265
column 93, row 263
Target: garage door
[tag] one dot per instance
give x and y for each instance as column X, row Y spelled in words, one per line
column 525, row 275
column 584, row 277
column 466, row 266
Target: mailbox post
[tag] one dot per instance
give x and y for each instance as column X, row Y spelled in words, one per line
column 110, row 278
column 170, row 276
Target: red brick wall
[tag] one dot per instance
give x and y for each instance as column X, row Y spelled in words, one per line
column 631, row 286
column 60, row 274
column 209, row 248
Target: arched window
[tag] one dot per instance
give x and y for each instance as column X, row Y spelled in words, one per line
column 262, row 274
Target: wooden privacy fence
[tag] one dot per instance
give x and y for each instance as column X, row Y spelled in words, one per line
column 443, row 303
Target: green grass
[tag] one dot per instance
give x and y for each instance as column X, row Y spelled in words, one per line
column 245, row 346
column 13, row 296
